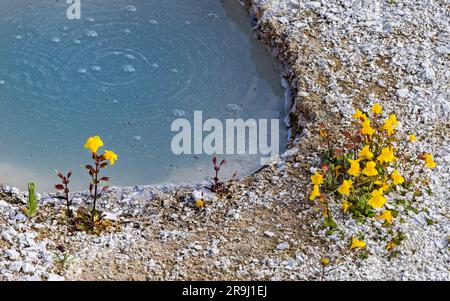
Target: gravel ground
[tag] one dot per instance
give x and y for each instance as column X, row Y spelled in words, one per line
column 336, row 55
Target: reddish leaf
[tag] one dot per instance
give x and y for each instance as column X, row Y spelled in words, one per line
column 105, row 179
column 60, row 175
column 347, row 134
column 59, row 187
column 357, row 139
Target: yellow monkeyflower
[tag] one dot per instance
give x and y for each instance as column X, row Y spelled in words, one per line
column 317, row 179
column 93, row 144
column 355, row 168
column 367, row 128
column 391, row 245
column 365, row 153
column 393, row 120
column 412, row 138
column 386, row 215
column 397, row 178
column 345, row 206
column 200, row 203
column 377, row 108
column 111, row 156
column 356, row 243
column 390, row 124
column 358, row 114
column 387, row 155
column 345, row 187
column 429, row 162
column 377, row 200
column 315, row 193
column 370, row 169
column 389, row 128
column 383, row 185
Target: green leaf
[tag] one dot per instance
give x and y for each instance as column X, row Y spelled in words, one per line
column 32, row 204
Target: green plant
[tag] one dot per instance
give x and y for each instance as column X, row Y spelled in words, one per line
column 362, row 165
column 32, row 203
column 62, row 257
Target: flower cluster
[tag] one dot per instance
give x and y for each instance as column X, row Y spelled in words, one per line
column 364, row 166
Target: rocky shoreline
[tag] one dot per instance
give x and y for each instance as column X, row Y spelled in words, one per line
column 335, row 55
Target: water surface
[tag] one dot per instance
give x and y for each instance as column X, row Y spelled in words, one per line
column 125, row 71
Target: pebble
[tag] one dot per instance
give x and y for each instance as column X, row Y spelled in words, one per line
column 283, row 246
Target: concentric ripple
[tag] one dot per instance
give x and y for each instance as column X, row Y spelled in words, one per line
column 125, row 71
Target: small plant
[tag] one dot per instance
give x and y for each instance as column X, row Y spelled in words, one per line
column 61, row 258
column 100, row 162
column 325, row 262
column 362, row 165
column 219, row 186
column 64, row 187
column 32, row 203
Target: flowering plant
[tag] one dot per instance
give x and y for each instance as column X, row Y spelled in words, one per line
column 363, row 165
column 100, row 162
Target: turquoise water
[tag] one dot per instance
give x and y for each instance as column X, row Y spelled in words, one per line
column 125, row 71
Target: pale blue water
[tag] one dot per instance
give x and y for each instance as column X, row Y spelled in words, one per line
column 125, row 71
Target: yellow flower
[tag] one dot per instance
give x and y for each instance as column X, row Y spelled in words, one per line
column 386, row 215
column 391, row 245
column 390, row 124
column 377, row 200
column 345, row 187
column 358, row 114
column 365, row 153
column 383, row 185
column 389, row 128
column 397, row 178
column 355, row 168
column 429, row 162
column 377, row 109
column 370, row 169
column 367, row 129
column 393, row 120
column 345, row 206
column 200, row 203
column 364, row 117
column 93, row 144
column 111, row 156
column 412, row 138
column 357, row 244
column 387, row 155
column 325, row 261
column 317, row 179
column 315, row 193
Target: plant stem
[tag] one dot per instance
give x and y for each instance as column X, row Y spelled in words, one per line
column 95, row 184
